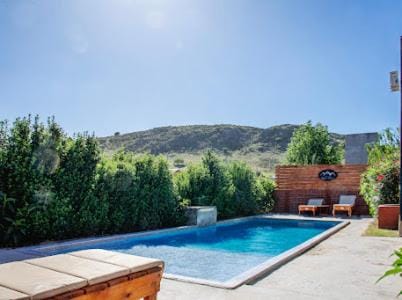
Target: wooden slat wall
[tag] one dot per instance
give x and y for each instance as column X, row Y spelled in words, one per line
column 296, row 184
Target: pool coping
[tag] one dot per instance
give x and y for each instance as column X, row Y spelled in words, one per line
column 246, row 277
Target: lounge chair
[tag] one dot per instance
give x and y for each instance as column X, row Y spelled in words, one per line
column 312, row 205
column 346, row 204
column 82, row 275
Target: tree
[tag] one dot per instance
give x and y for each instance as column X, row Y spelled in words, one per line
column 312, row 145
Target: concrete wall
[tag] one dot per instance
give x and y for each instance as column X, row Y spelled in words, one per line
column 355, row 147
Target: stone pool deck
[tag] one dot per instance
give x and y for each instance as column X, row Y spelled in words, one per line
column 345, row 266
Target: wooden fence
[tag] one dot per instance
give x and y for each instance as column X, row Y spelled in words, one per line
column 297, row 184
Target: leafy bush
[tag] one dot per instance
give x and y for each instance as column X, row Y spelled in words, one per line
column 380, row 183
column 233, row 188
column 139, row 191
column 55, row 187
column 266, row 200
column 396, row 267
column 29, row 154
column 246, row 190
column 312, row 145
column 207, row 183
column 12, row 229
column 389, row 185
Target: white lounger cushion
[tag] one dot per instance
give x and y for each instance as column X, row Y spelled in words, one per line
column 315, row 202
column 347, row 199
column 37, row 282
column 134, row 263
column 91, row 270
column 49, row 276
column 7, row 294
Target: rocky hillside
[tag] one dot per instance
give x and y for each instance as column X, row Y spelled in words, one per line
column 198, row 138
column 261, row 148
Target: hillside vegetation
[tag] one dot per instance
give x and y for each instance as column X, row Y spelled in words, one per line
column 261, row 148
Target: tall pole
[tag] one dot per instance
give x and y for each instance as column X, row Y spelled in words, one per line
column 400, row 145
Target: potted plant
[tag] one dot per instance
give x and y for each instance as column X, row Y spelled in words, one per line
column 388, row 188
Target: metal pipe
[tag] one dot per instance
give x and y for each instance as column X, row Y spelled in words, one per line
column 400, row 145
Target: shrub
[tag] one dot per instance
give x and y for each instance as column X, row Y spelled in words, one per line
column 266, row 201
column 396, row 267
column 139, row 191
column 246, row 190
column 29, row 153
column 207, row 183
column 55, row 187
column 389, row 185
column 12, row 229
column 380, row 183
column 233, row 188
column 191, row 185
column 153, row 183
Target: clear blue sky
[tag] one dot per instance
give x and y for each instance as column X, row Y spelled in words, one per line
column 124, row 65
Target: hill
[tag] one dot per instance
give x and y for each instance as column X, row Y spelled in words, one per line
column 262, row 148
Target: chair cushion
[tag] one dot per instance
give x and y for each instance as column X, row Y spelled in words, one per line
column 347, row 199
column 315, row 201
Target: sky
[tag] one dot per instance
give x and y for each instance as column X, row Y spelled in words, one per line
column 128, row 65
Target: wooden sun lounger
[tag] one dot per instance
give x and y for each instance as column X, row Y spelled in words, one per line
column 346, row 204
column 82, row 275
column 313, row 205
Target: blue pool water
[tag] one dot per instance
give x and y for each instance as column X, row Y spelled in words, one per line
column 218, row 252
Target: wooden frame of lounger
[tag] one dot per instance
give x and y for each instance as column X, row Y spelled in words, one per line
column 310, row 206
column 346, row 204
column 140, row 285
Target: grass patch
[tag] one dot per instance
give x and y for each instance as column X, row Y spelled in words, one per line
column 373, row 230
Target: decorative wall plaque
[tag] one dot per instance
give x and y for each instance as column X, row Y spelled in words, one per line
column 328, row 175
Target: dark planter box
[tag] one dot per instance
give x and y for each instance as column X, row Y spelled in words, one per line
column 388, row 216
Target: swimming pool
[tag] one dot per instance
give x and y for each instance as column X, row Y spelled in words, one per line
column 225, row 255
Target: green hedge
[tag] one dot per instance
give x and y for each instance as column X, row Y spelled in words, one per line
column 54, row 187
column 233, row 188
